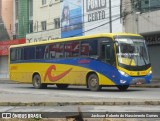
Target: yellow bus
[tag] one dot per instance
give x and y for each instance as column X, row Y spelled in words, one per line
column 119, row 59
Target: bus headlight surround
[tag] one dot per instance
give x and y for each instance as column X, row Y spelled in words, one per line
column 123, row 73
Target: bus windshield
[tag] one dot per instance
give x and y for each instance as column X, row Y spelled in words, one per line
column 132, row 52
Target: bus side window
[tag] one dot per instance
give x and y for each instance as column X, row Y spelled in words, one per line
column 75, row 48
column 59, row 47
column 40, row 51
column 68, row 49
column 108, row 52
column 46, row 52
column 13, row 54
column 56, row 50
column 89, row 47
column 52, row 51
column 20, row 54
column 29, row 53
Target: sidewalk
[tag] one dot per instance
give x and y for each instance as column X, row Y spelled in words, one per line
column 6, row 81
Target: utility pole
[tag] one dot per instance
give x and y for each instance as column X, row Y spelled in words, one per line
column 110, row 16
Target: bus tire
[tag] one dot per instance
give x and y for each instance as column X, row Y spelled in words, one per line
column 62, row 86
column 93, row 83
column 122, row 87
column 37, row 82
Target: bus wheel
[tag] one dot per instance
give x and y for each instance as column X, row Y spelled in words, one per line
column 37, row 82
column 122, row 87
column 62, row 86
column 93, row 83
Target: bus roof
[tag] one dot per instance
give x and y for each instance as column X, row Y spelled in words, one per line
column 111, row 35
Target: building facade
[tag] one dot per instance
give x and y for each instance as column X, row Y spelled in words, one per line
column 6, row 19
column 6, row 27
column 46, row 20
column 13, row 28
column 22, row 17
column 68, row 18
column 142, row 17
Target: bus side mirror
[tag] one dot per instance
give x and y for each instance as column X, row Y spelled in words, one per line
column 116, row 43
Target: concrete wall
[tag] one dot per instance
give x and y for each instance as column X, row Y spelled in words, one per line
column 137, row 22
column 149, row 22
column 155, row 60
column 3, row 67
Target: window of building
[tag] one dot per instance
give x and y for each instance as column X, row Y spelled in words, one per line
column 30, row 26
column 44, row 25
column 30, row 8
column 44, row 2
column 36, row 26
column 57, row 23
column 17, row 29
column 16, row 9
column 146, row 5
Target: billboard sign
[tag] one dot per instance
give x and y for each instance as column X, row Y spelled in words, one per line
column 96, row 16
column 71, row 18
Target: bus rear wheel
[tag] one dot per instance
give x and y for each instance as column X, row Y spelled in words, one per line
column 122, row 87
column 62, row 86
column 93, row 83
column 37, row 82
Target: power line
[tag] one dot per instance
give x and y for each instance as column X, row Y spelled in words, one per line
column 96, row 27
column 85, row 22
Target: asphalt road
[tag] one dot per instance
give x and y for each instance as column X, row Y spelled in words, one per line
column 25, row 93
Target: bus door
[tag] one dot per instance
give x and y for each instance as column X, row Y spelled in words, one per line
column 107, row 53
column 107, row 56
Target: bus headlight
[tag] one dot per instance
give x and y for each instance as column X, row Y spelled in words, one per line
column 123, row 73
column 150, row 72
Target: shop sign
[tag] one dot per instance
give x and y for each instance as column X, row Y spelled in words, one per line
column 4, row 45
column 152, row 40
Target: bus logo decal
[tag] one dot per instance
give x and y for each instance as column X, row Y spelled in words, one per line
column 55, row 78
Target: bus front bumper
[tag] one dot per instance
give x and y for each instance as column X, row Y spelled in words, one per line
column 135, row 80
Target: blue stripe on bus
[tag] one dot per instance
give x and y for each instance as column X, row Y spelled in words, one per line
column 98, row 66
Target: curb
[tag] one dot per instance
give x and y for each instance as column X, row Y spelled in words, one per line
column 153, row 102
column 153, row 84
column 146, row 86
